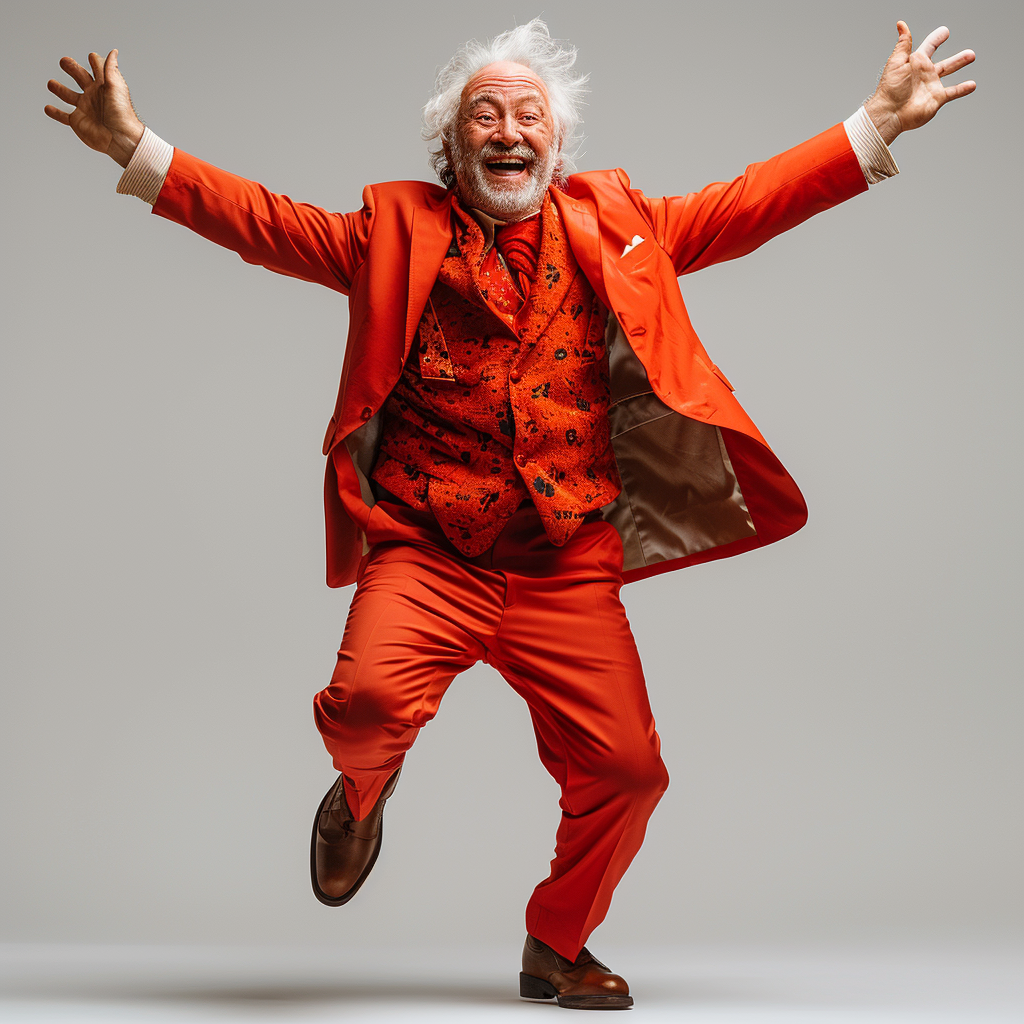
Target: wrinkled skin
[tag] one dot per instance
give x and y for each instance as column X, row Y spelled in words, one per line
column 506, row 145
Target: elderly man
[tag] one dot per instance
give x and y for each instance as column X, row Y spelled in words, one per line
column 526, row 420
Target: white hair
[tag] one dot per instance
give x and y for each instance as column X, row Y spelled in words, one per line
column 531, row 45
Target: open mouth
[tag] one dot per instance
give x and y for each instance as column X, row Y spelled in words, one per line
column 506, row 167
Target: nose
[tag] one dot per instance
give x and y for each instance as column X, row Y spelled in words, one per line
column 507, row 131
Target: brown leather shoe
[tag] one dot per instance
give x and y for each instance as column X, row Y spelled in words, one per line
column 583, row 984
column 343, row 851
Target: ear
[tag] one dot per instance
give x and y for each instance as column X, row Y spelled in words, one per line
column 559, row 159
column 448, row 179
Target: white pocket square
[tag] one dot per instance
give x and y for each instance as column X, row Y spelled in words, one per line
column 637, row 239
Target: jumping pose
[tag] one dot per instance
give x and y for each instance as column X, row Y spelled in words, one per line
column 526, row 420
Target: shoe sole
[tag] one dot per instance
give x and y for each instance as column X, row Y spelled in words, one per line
column 531, row 987
column 339, row 901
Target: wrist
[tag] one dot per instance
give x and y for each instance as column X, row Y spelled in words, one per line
column 884, row 118
column 123, row 144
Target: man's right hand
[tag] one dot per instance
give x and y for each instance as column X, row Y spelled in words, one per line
column 103, row 118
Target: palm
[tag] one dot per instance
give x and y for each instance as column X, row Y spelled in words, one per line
column 103, row 116
column 916, row 88
column 86, row 119
column 911, row 84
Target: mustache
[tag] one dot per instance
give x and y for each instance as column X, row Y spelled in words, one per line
column 520, row 151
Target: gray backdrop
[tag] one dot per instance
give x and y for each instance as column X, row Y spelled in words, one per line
column 840, row 712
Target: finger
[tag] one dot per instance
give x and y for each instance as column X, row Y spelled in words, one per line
column 935, row 39
column 905, row 40
column 951, row 64
column 57, row 115
column 60, row 90
column 954, row 92
column 97, row 67
column 76, row 71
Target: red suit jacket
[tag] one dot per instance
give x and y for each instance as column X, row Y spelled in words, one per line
column 699, row 480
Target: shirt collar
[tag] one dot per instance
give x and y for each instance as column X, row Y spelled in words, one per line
column 489, row 224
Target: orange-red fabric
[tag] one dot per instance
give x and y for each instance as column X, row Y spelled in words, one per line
column 421, row 614
column 519, row 245
column 386, row 257
column 498, row 403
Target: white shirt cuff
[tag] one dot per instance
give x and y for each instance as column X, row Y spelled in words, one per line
column 145, row 173
column 872, row 153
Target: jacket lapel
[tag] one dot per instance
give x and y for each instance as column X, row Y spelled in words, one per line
column 582, row 234
column 555, row 272
column 431, row 235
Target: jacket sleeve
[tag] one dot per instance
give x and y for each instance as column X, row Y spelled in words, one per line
column 263, row 227
column 731, row 218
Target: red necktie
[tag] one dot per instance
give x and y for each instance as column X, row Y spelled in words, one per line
column 519, row 245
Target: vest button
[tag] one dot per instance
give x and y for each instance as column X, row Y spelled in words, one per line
column 520, row 461
column 366, row 413
column 515, row 376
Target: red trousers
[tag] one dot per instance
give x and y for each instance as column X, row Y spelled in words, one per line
column 549, row 619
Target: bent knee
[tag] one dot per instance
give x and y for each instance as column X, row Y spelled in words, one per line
column 645, row 778
column 368, row 709
column 653, row 781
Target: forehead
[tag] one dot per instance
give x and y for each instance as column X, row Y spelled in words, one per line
column 506, row 80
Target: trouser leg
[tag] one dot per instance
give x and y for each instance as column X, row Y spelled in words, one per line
column 565, row 645
column 412, row 627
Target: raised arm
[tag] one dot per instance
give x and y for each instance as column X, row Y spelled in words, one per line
column 728, row 219
column 263, row 227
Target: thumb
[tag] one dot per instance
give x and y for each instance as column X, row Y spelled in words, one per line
column 110, row 65
column 905, row 41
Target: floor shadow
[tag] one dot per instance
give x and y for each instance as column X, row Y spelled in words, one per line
column 249, row 994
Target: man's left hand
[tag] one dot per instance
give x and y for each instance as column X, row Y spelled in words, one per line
column 910, row 90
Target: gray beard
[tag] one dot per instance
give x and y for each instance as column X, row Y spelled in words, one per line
column 508, row 204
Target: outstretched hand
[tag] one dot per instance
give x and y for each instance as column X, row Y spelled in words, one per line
column 103, row 118
column 910, row 90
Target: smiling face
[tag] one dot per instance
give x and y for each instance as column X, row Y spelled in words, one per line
column 504, row 149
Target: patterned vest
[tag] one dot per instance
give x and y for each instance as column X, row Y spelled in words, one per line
column 503, row 399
